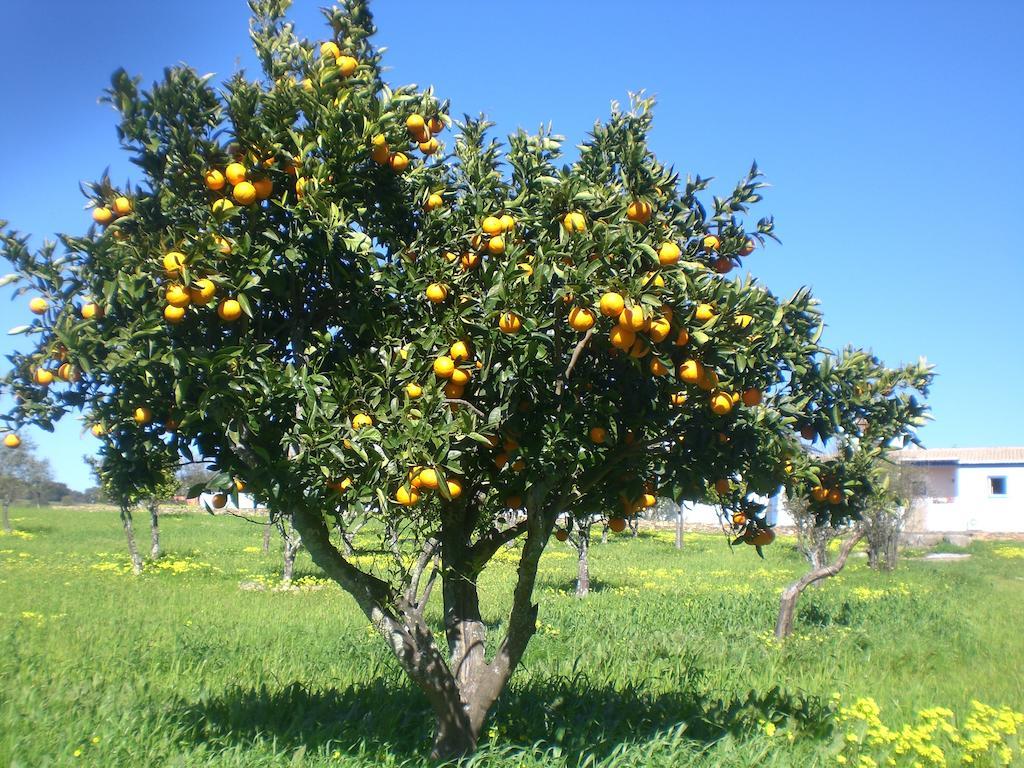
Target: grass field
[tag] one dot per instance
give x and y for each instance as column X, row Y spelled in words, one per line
column 669, row 662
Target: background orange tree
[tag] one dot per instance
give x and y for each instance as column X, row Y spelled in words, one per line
column 367, row 312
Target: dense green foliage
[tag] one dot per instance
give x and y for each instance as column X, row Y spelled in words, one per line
column 261, row 678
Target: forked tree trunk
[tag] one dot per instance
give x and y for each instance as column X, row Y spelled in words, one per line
column 7, row 519
column 679, row 526
column 634, row 526
column 462, row 688
column 129, row 532
column 154, row 529
column 292, row 545
column 583, row 570
column 266, row 536
column 791, row 594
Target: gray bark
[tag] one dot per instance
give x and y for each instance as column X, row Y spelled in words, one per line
column 679, row 526
column 129, row 532
column 791, row 594
column 154, row 529
column 7, row 519
column 292, row 545
column 266, row 537
column 583, row 567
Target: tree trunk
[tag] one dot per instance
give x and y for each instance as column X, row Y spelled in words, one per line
column 292, row 545
column 154, row 529
column 583, row 572
column 129, row 532
column 790, row 595
column 7, row 519
column 679, row 526
column 634, row 526
column 266, row 536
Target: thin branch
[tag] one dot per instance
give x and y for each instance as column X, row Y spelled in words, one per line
column 580, row 346
column 473, row 408
column 431, row 580
column 426, row 553
column 485, row 547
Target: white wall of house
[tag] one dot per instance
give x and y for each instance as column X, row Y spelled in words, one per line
column 975, row 507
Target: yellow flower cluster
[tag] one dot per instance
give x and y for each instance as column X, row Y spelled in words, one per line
column 16, row 534
column 1008, row 551
column 989, row 736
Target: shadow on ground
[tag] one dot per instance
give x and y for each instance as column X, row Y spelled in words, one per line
column 574, row 714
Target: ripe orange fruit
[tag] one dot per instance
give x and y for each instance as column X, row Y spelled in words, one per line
column 598, row 434
column 399, row 162
column 202, row 291
column 492, row 225
column 678, row 398
column 711, row 243
column 454, row 391
column 808, row 432
column 102, row 215
column 67, row 372
column 751, row 396
column 229, row 310
column 657, row 367
column 669, row 254
column 835, row 496
column 122, row 206
column 92, row 310
column 428, row 478
column 574, row 222
column 500, row 460
column 264, row 188
column 723, row 265
column 639, row 349
column 42, row 376
column 612, row 304
column 142, row 415
column 177, row 296
column 173, row 262
column 413, row 390
column 459, row 351
column 723, row 486
column 469, row 260
column 214, row 180
column 818, row 493
column 460, row 377
column 173, row 314
column 381, row 154
column 444, row 366
column 496, row 245
column 219, row 500
column 434, row 202
column 762, row 538
column 361, row 420
column 721, row 403
column 617, row 524
column 648, row 500
column 437, row 292
column 748, row 248
column 581, row 319
column 98, row 430
column 435, row 124
column 639, row 211
column 347, row 65
column 691, row 371
column 329, row 48
column 632, row 318
column 510, row 322
column 704, row 312
column 659, row 330
column 415, row 124
column 11, row 440
column 38, row 305
column 742, row 321
column 223, row 204
column 407, row 496
column 339, row 486
column 561, row 534
column 429, row 147
column 235, row 173
column 454, row 487
column 622, row 337
column 508, row 223
column 683, row 338
column 739, row 518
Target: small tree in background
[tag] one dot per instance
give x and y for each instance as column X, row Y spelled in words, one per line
column 309, row 290
column 21, row 473
column 165, row 488
column 886, row 514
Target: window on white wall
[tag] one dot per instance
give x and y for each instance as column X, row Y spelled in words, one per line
column 997, row 486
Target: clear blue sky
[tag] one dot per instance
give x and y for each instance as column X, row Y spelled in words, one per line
column 891, row 132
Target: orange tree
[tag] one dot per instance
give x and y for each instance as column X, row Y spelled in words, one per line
column 367, row 312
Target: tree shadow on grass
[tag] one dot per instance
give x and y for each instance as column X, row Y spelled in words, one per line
column 575, row 714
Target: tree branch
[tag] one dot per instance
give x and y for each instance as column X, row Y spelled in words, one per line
column 577, row 351
column 473, row 408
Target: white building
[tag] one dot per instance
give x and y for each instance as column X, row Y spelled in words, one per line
column 957, row 490
column 245, row 503
column 966, row 489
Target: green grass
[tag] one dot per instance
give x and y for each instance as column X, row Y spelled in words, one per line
column 668, row 662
